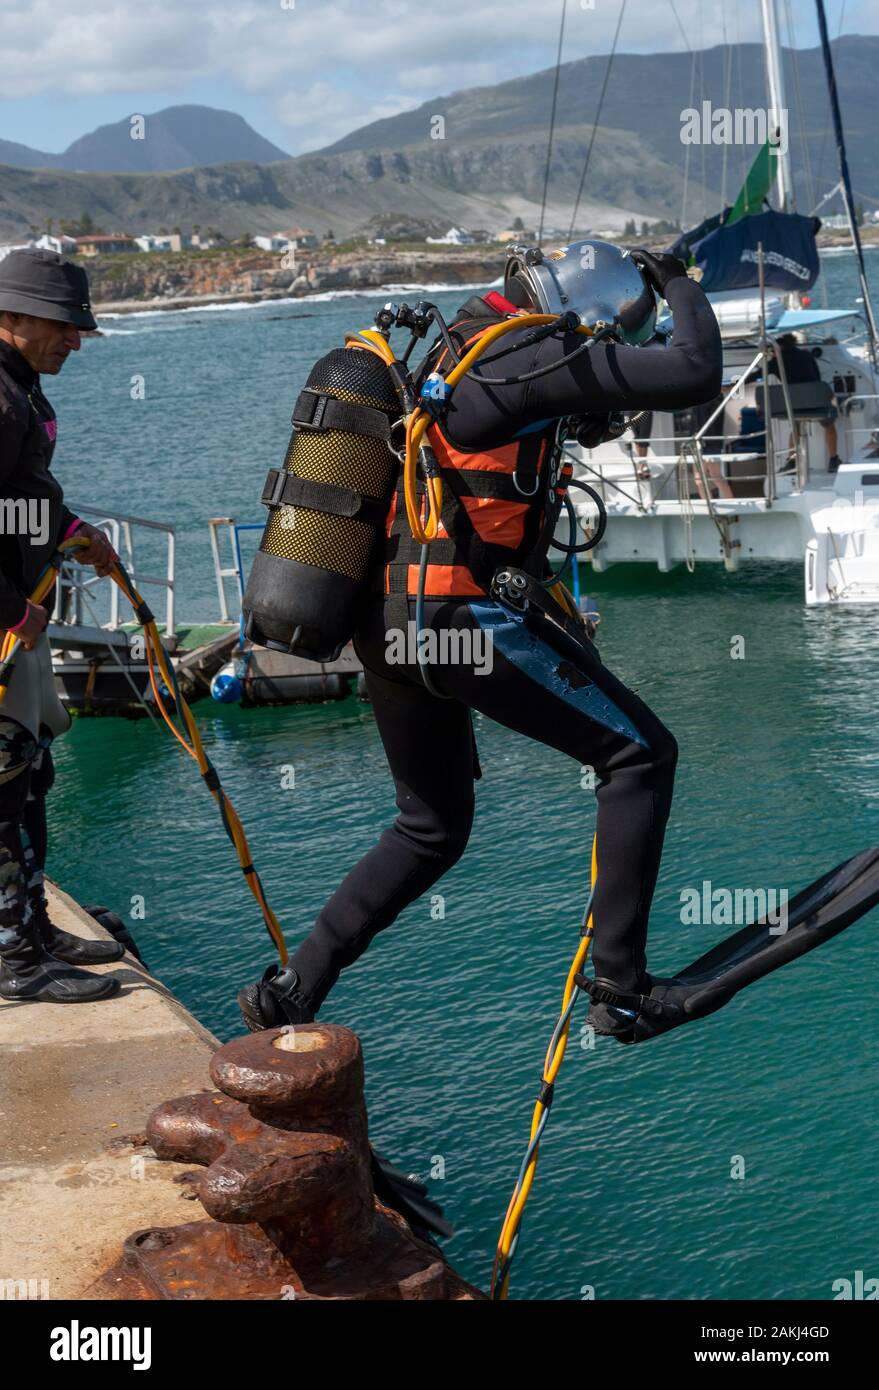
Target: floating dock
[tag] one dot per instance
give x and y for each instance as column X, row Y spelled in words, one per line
column 103, row 671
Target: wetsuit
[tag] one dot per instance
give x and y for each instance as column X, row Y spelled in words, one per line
column 27, row 442
column 542, row 683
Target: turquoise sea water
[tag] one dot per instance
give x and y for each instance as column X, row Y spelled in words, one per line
column 777, row 782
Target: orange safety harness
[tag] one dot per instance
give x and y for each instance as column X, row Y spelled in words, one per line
column 499, row 506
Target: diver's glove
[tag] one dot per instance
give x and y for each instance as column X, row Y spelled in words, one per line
column 659, row 268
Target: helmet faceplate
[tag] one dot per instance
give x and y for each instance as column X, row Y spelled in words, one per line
column 597, row 280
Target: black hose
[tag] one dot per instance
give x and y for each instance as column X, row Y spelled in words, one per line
column 539, row 371
column 602, row 521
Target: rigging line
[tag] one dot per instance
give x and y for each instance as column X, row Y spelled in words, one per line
column 727, row 53
column 703, row 147
column 688, row 147
column 680, row 26
column 598, row 111
column 804, row 140
column 555, row 97
column 743, row 159
column 819, row 174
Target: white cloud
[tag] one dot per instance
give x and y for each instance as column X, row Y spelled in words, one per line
column 358, row 59
column 323, row 114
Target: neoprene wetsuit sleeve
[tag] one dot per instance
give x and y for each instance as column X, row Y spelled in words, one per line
column 607, row 377
column 69, row 521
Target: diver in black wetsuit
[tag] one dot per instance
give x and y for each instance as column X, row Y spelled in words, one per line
column 550, row 687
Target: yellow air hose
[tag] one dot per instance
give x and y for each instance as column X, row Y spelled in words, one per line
column 509, row 1235
column 159, row 661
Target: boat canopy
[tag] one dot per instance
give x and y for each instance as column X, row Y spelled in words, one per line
column 739, row 315
column 729, row 253
column 792, row 319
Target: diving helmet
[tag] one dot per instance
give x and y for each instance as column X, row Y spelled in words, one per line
column 600, row 282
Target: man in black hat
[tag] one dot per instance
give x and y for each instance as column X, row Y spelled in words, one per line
column 44, row 305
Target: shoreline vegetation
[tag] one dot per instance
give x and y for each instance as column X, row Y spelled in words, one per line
column 156, row 280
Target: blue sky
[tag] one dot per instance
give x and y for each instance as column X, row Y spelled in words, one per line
column 304, row 72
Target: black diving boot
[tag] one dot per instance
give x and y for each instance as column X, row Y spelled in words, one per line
column 659, row 1004
column 29, row 973
column 73, row 950
column 617, row 1019
column 275, row 1000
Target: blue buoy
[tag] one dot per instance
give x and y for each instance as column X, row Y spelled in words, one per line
column 226, row 686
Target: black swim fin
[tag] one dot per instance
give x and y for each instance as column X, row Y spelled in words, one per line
column 409, row 1197
column 814, row 915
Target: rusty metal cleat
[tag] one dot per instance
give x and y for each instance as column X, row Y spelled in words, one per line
column 287, row 1185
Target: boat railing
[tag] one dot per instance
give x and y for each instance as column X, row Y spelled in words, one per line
column 232, row 530
column 845, row 407
column 75, row 603
column 650, row 479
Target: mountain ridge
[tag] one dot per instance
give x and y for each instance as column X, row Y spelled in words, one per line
column 177, row 137
column 490, row 166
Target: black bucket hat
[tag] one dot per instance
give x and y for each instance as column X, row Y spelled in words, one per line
column 44, row 284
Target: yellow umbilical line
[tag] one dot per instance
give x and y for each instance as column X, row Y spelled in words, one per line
column 424, row 532
column 500, row 1278
column 157, row 659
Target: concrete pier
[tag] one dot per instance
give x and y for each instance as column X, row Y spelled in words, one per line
column 77, row 1083
column 124, row 1122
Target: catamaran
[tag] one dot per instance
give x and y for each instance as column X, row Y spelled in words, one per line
column 779, row 468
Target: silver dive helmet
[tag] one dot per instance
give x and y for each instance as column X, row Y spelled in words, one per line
column 597, row 280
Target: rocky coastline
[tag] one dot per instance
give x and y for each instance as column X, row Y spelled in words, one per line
column 154, row 281
column 129, row 284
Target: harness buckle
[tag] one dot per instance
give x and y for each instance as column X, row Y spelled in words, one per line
column 274, row 487
column 313, row 401
column 510, row 587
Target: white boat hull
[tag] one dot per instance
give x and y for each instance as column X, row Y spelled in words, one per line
column 826, row 521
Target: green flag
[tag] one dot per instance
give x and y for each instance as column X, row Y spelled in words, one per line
column 761, row 176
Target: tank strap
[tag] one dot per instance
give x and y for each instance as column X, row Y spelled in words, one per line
column 315, row 411
column 284, row 489
column 476, row 482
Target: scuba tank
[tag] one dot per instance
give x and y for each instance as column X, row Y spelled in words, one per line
column 327, row 509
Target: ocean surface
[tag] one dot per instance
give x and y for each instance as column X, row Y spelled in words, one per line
column 732, row 1159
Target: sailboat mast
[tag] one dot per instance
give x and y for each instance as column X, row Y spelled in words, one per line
column 845, row 177
column 778, row 107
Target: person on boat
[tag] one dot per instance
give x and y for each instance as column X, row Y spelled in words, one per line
column 751, row 438
column 44, row 306
column 800, row 368
column 539, row 682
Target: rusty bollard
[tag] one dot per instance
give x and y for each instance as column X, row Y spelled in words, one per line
column 287, row 1184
